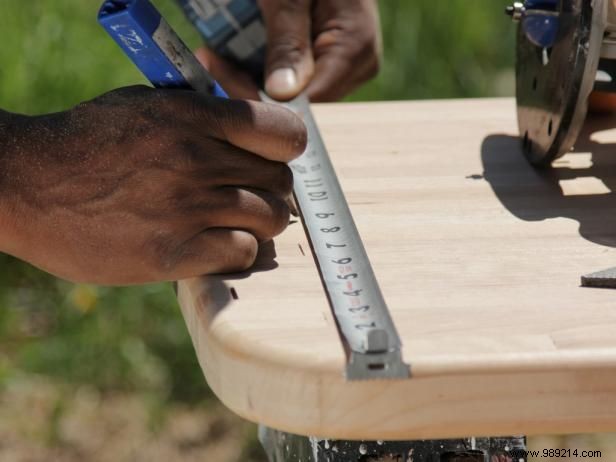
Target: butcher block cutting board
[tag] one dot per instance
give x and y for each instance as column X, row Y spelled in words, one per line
column 479, row 257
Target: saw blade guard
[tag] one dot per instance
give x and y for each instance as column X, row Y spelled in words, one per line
column 559, row 44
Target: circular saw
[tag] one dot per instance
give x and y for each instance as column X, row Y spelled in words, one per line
column 565, row 50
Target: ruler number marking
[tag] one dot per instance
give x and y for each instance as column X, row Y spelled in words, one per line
column 343, row 261
column 316, row 183
column 353, row 293
column 372, row 325
column 348, row 276
column 318, row 196
column 359, row 309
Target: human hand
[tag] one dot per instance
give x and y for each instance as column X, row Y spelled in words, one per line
column 143, row 185
column 328, row 47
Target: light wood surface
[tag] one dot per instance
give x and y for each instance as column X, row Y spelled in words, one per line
column 479, row 257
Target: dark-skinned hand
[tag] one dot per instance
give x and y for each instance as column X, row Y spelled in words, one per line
column 143, row 185
column 328, row 47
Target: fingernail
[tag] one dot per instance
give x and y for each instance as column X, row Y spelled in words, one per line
column 282, row 83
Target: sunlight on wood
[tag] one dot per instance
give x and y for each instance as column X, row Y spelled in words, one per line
column 574, row 161
column 583, row 186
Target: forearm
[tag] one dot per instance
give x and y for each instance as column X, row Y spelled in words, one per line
column 9, row 122
column 10, row 147
column 5, row 117
column 5, row 136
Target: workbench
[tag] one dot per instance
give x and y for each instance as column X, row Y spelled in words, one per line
column 479, row 256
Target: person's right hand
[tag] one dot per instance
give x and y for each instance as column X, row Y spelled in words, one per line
column 327, row 47
column 144, row 185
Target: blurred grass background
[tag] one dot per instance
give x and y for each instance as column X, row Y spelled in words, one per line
column 100, row 373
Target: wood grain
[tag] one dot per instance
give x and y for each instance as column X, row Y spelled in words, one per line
column 479, row 257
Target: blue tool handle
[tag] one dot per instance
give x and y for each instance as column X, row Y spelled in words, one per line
column 233, row 29
column 150, row 42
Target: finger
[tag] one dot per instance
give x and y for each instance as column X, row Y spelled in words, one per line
column 236, row 82
column 269, row 130
column 262, row 214
column 253, row 172
column 337, row 73
column 347, row 51
column 213, row 251
column 289, row 64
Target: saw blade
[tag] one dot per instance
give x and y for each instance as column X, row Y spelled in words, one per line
column 553, row 84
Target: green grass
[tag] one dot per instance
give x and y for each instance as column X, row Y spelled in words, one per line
column 443, row 49
column 54, row 55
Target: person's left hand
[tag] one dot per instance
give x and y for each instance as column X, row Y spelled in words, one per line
column 328, row 47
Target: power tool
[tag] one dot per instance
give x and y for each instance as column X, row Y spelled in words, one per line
column 565, row 50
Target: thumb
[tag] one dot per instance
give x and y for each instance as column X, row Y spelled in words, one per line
column 289, row 64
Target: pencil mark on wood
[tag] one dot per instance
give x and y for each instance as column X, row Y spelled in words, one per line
column 234, row 293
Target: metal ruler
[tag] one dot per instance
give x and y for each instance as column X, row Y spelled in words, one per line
column 374, row 347
column 372, row 343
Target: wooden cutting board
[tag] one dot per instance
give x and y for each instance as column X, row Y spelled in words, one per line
column 479, row 257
